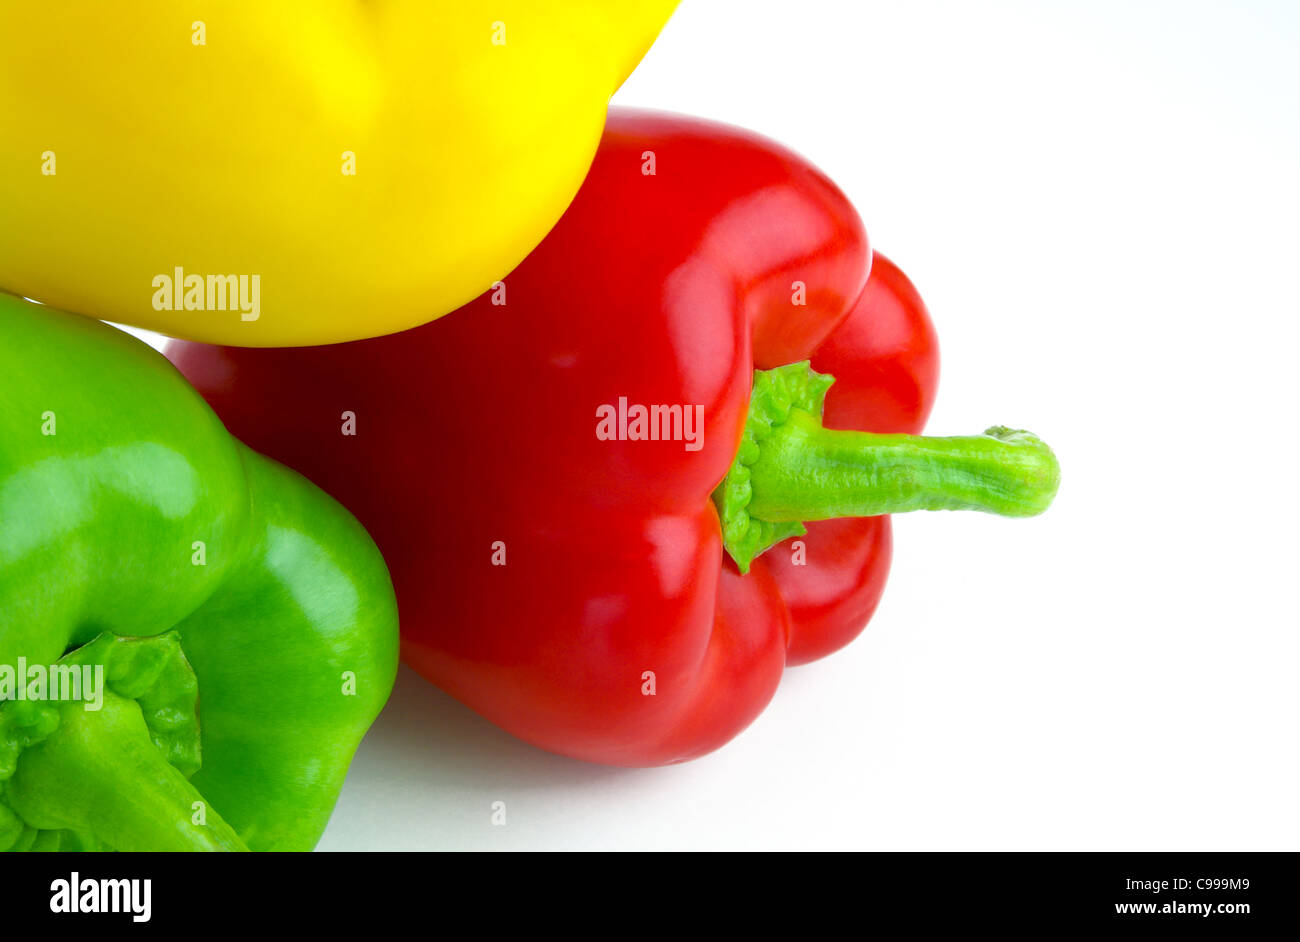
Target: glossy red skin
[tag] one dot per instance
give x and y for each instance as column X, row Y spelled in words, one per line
column 480, row 427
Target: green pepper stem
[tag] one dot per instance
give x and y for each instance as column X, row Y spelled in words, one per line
column 100, row 773
column 805, row 471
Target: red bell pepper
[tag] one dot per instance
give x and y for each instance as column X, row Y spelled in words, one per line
column 540, row 467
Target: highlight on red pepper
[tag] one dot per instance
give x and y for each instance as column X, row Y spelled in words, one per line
column 694, row 364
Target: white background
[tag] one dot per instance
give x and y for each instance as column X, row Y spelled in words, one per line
column 1099, row 201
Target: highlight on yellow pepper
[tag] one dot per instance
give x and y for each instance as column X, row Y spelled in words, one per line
column 295, row 172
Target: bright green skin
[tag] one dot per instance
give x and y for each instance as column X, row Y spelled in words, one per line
column 97, row 526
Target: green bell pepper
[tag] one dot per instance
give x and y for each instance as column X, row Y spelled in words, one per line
column 149, row 561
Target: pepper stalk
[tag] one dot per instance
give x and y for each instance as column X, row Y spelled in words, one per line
column 791, row 469
column 115, row 777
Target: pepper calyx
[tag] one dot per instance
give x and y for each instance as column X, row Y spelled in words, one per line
column 775, row 393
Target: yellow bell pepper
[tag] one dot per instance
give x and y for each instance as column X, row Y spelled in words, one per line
column 295, row 172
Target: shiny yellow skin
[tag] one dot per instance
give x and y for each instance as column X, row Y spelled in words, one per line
column 228, row 157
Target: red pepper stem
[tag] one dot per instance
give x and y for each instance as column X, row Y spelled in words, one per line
column 807, row 472
column 790, row 469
